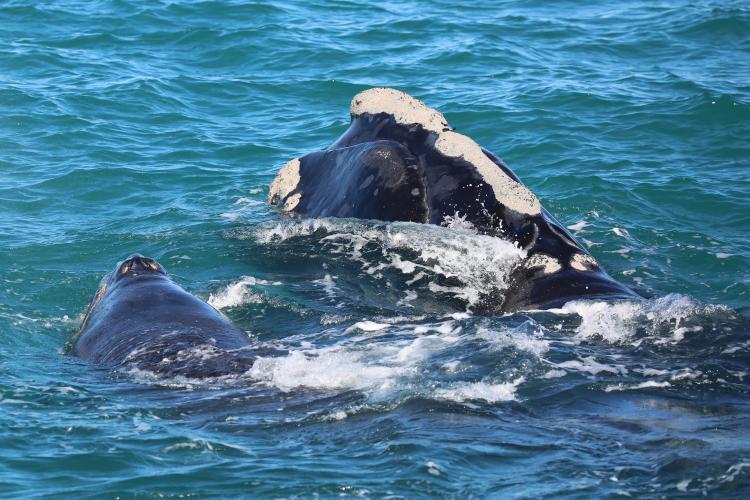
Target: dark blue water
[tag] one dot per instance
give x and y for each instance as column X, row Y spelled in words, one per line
column 156, row 128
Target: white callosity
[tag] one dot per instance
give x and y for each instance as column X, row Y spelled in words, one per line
column 511, row 194
column 407, row 110
column 582, row 262
column 292, row 202
column 548, row 264
column 286, row 182
column 404, row 108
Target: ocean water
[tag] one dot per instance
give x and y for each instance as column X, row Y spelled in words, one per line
column 156, row 127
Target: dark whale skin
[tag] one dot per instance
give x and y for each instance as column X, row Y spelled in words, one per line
column 140, row 318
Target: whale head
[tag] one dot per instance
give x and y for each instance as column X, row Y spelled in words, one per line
column 137, row 265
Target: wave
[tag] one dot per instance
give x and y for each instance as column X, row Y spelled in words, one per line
column 239, row 293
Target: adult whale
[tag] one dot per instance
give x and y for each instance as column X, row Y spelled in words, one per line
column 401, row 161
column 139, row 318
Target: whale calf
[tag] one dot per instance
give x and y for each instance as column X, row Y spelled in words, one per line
column 401, row 161
column 139, row 318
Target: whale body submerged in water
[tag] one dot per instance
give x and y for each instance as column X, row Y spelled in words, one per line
column 139, row 318
column 401, row 161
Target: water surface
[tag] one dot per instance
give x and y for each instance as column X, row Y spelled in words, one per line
column 156, row 128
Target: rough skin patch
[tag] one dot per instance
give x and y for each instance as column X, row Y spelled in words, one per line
column 407, row 110
column 292, row 202
column 548, row 264
column 582, row 262
column 284, row 183
column 404, row 108
column 507, row 191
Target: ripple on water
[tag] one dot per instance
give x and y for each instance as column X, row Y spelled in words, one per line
column 155, row 128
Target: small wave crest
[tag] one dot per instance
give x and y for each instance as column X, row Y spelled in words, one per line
column 239, row 293
column 669, row 319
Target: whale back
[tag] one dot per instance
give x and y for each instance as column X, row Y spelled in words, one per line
column 153, row 324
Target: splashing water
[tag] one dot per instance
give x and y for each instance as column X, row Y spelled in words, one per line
column 379, row 369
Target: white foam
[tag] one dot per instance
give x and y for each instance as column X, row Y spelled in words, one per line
column 480, row 263
column 515, row 339
column 457, row 221
column 339, row 415
column 608, row 320
column 685, row 374
column 589, row 243
column 618, row 321
column 651, row 372
column 368, row 326
column 327, row 369
column 236, row 294
column 242, row 200
column 139, row 425
column 246, row 206
column 679, row 333
column 588, row 364
column 285, row 230
column 421, row 348
column 446, row 328
column 405, row 266
column 622, row 233
column 578, row 225
column 54, row 320
column 643, row 385
column 179, row 381
column 379, row 369
column 452, row 366
column 332, row 319
column 189, row 445
column 328, row 284
column 737, row 347
column 683, row 485
column 432, row 468
column 734, row 470
column 485, row 391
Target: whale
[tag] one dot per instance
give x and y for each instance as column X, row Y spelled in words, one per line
column 140, row 319
column 400, row 160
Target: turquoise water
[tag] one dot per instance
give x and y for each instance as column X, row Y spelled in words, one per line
column 156, row 127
